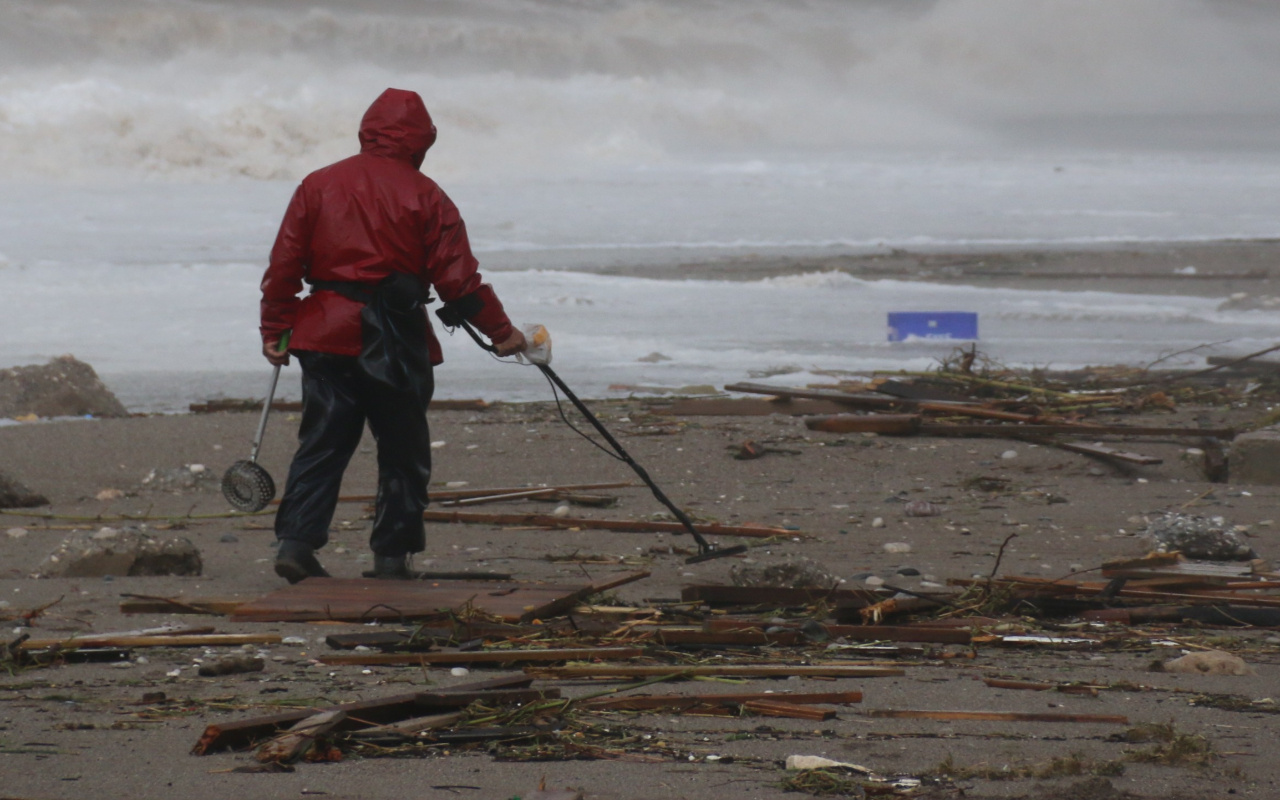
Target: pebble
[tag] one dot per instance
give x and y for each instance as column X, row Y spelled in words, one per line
column 896, row 547
column 197, row 469
column 908, row 571
column 106, row 533
column 873, row 581
column 1008, row 454
column 878, row 522
column 293, row 640
column 561, row 511
column 340, row 551
column 458, row 672
column 229, row 538
column 16, row 533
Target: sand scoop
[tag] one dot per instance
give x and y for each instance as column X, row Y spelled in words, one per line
column 246, row 485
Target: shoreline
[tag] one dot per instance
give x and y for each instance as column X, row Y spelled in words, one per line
column 1221, row 267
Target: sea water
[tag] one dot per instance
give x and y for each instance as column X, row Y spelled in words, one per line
column 147, row 150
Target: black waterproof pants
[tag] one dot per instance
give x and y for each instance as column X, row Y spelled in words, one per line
column 338, row 396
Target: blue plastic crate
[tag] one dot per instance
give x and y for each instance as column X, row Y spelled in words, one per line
column 947, row 325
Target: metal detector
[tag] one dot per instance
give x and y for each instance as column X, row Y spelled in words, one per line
column 706, row 550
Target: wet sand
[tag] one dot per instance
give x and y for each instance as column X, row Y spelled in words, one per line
column 73, row 731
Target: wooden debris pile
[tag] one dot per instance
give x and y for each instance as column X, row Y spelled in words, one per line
column 1160, row 587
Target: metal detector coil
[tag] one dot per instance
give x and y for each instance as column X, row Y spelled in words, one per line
column 246, row 485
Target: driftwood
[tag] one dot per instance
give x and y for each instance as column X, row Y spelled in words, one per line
column 618, row 525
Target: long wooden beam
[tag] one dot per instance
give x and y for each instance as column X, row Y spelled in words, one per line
column 617, row 525
column 482, row 657
column 724, row 671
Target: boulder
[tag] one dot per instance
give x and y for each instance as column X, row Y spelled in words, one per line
column 14, row 495
column 110, row 551
column 65, row 387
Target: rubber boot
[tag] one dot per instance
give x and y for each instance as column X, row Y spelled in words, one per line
column 395, row 568
column 296, row 561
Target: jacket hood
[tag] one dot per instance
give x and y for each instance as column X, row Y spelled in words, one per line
column 397, row 125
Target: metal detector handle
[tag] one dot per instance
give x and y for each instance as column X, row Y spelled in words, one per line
column 266, row 409
column 266, row 405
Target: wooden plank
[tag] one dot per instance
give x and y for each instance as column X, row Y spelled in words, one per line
column 770, row 708
column 207, row 640
column 861, row 400
column 724, row 671
column 1064, row 688
column 616, row 525
column 997, row 716
column 243, row 733
column 749, row 407
column 901, row 424
column 679, row 702
column 887, row 633
column 370, row 599
column 1080, row 429
column 151, row 604
column 482, row 657
column 1102, row 451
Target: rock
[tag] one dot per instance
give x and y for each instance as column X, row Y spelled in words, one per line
column 109, row 494
column 65, row 387
column 232, row 665
column 908, row 571
column 922, row 508
column 126, row 552
column 1254, row 457
column 1209, row 662
column 896, row 547
column 798, row 574
column 1009, row 454
column 14, row 495
column 1209, row 538
column 878, row 522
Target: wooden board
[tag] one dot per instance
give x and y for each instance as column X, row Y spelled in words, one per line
column 369, row 599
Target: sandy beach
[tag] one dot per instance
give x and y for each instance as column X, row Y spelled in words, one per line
column 80, row 730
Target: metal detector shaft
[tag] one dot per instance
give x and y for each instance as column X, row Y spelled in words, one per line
column 266, row 410
column 703, row 545
column 705, row 549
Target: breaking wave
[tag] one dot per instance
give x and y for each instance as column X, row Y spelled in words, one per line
column 183, row 89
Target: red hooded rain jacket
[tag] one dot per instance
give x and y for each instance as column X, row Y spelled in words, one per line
column 363, row 218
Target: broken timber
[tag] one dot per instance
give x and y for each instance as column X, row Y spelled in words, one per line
column 618, row 525
column 483, row 657
column 997, row 716
column 366, row 713
column 371, row 599
column 723, row 671
column 909, row 424
column 683, row 702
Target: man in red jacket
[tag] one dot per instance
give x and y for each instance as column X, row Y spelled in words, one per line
column 370, row 235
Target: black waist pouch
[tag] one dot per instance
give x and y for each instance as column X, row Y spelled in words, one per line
column 393, row 329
